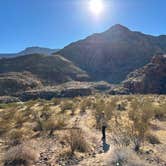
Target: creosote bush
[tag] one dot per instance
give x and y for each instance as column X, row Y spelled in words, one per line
column 152, row 139
column 140, row 115
column 124, row 157
column 160, row 112
column 15, row 137
column 76, row 141
column 19, row 156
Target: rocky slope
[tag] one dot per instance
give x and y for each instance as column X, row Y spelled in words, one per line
column 12, row 83
column 113, row 54
column 149, row 79
column 49, row 69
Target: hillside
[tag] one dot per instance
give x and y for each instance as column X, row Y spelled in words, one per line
column 31, row 50
column 49, row 69
column 149, row 79
column 113, row 54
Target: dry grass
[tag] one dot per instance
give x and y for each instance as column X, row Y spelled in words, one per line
column 76, row 141
column 124, row 157
column 20, row 155
column 18, row 122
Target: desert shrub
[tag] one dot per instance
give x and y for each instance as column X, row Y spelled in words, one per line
column 160, row 112
column 76, row 141
column 19, row 155
column 51, row 124
column 98, row 108
column 19, row 119
column 87, row 103
column 67, row 105
column 4, row 126
column 140, row 114
column 15, row 137
column 124, row 157
column 152, row 139
column 108, row 107
column 56, row 101
column 120, row 133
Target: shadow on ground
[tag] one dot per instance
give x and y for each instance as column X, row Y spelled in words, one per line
column 106, row 146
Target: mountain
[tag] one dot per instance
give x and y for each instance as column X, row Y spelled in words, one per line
column 49, row 69
column 38, row 50
column 113, row 54
column 149, row 79
column 32, row 50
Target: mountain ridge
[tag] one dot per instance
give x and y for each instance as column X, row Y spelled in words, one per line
column 114, row 53
column 30, row 50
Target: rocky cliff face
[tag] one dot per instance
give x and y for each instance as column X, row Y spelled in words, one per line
column 13, row 82
column 149, row 79
column 113, row 54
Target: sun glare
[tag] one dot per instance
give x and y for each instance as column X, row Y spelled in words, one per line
column 96, row 6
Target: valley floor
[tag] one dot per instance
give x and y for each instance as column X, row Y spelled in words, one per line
column 48, row 130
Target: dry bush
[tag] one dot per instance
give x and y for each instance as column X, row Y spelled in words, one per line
column 19, row 156
column 67, row 105
column 160, row 112
column 140, row 114
column 19, row 119
column 120, row 133
column 15, row 137
column 51, row 124
column 123, row 157
column 56, row 101
column 76, row 141
column 108, row 107
column 152, row 139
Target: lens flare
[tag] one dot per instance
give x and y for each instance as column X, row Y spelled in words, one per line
column 96, row 6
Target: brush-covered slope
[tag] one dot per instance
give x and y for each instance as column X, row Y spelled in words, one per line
column 149, row 79
column 113, row 54
column 50, row 69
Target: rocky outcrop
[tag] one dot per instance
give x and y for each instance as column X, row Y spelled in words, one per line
column 13, row 82
column 149, row 79
column 69, row 89
column 8, row 99
column 113, row 54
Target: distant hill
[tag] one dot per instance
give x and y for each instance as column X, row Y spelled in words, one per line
column 31, row 50
column 113, row 54
column 49, row 69
column 149, row 79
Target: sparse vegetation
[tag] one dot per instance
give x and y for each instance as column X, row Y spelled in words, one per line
column 69, row 125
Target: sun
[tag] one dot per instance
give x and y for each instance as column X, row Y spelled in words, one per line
column 96, row 7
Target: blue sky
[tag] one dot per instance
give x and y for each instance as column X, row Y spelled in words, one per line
column 56, row 23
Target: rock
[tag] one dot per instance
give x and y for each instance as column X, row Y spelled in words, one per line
column 8, row 99
column 149, row 79
column 13, row 82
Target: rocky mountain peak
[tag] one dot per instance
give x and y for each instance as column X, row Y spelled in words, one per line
column 118, row 28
